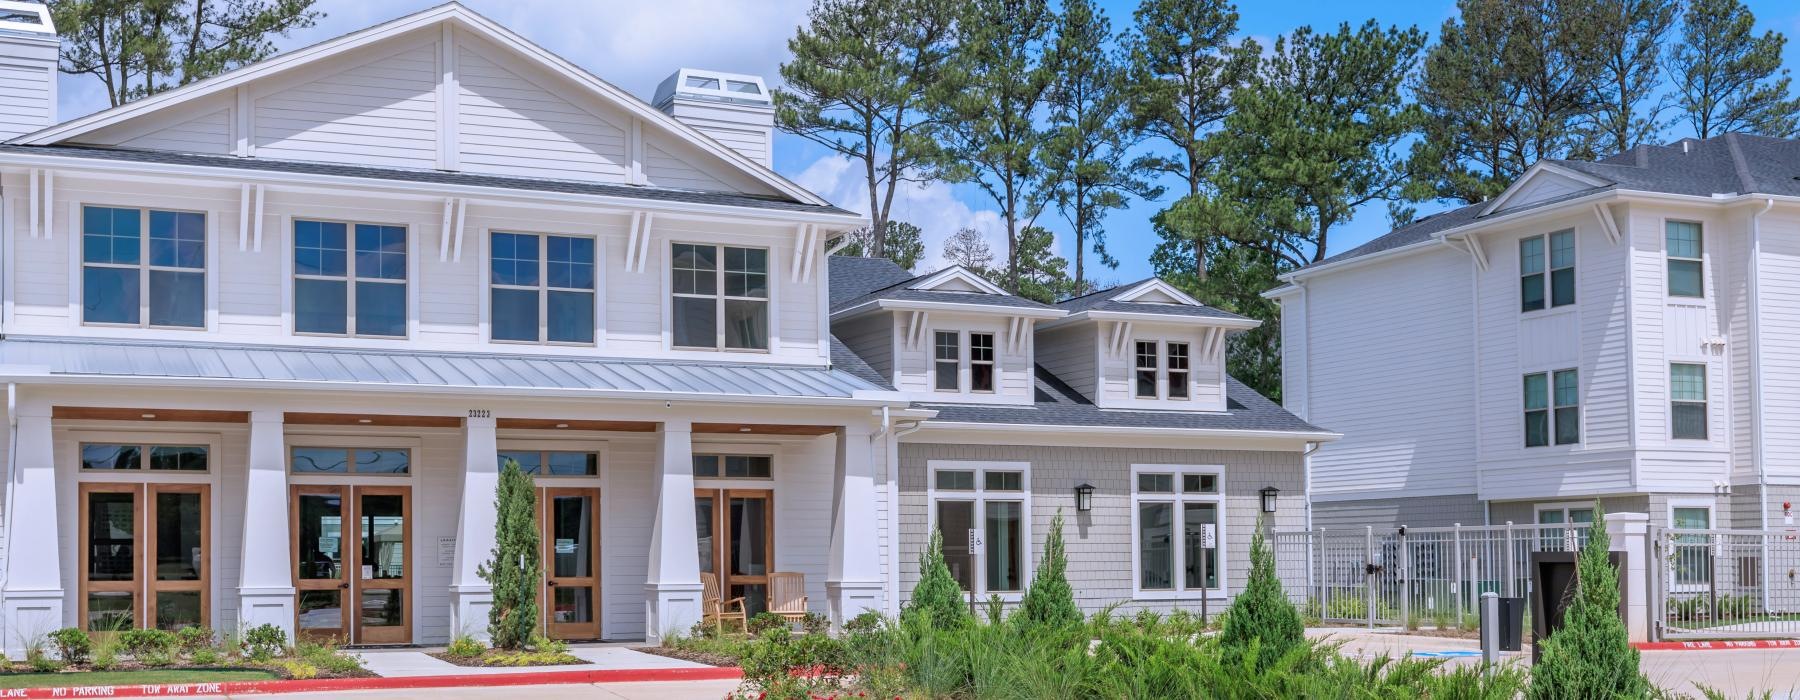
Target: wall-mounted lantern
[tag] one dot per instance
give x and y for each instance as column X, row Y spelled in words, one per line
column 1268, row 498
column 1084, row 498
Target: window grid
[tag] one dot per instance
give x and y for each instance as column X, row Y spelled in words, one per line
column 1552, row 408
column 557, row 273
column 1547, row 271
column 1685, row 243
column 738, row 290
column 153, row 260
column 366, row 262
column 1162, row 566
column 1146, row 369
column 1687, row 401
column 981, row 363
column 947, row 361
column 992, row 492
column 1177, row 369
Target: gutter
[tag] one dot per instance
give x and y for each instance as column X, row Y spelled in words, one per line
column 949, row 306
column 1308, row 437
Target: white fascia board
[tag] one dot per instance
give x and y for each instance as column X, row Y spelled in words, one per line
column 1282, row 292
column 1156, row 284
column 931, row 281
column 1169, row 319
column 232, row 177
column 1082, row 435
column 947, row 306
column 1531, row 174
column 865, row 398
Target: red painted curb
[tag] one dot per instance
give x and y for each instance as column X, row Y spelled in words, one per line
column 1720, row 645
column 393, row 683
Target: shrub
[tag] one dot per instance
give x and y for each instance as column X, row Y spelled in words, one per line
column 154, row 658
column 513, row 572
column 297, row 670
column 205, row 656
column 1051, row 601
column 148, row 641
column 37, row 656
column 106, row 653
column 865, row 622
column 1591, row 656
column 547, row 645
column 464, row 647
column 937, row 600
column 264, row 642
column 194, row 639
column 1261, row 617
column 763, row 622
column 778, row 664
column 72, row 645
column 814, row 623
column 327, row 657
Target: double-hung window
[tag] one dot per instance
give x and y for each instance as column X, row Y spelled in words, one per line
column 1552, row 408
column 1547, row 271
column 1177, row 369
column 946, row 363
column 541, row 287
column 721, row 297
column 981, row 362
column 1685, row 245
column 1176, row 529
column 349, row 279
column 1687, row 401
column 1145, row 376
column 156, row 280
column 1171, row 365
column 990, row 502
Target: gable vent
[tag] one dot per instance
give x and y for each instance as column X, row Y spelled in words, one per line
column 735, row 110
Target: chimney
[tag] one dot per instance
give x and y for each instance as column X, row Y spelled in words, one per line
column 735, row 110
column 28, row 46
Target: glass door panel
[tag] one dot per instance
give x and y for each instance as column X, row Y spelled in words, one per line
column 322, row 563
column 737, row 539
column 571, row 535
column 178, row 593
column 383, row 573
column 110, row 582
column 954, row 519
column 1201, row 562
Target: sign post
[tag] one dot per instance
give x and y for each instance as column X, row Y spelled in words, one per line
column 1209, row 534
column 975, row 545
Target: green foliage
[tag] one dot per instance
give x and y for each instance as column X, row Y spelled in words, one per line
column 1050, row 600
column 327, row 657
column 1591, row 656
column 764, row 621
column 937, row 600
column 139, row 48
column 193, row 639
column 1628, row 105
column 297, row 670
column 37, row 656
column 264, row 642
column 1042, row 274
column 148, row 641
column 205, row 656
column 1727, row 78
column 1262, row 626
column 106, row 653
column 465, row 647
column 514, row 572
column 73, row 645
column 778, row 664
column 904, row 245
column 814, row 623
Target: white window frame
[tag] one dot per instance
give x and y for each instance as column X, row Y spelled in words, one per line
column 1179, row 534
column 1705, row 402
column 1667, row 256
column 719, row 298
column 965, row 362
column 980, row 496
column 1550, row 408
column 1550, row 269
column 77, row 238
column 349, row 278
column 543, row 288
column 1712, row 522
column 1537, row 519
column 937, row 365
column 1162, row 370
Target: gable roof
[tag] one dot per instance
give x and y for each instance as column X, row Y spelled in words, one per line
column 1115, row 300
column 1728, row 164
column 852, row 276
column 461, row 17
column 860, row 274
column 1059, row 405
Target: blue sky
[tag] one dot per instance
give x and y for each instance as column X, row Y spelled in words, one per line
column 635, row 44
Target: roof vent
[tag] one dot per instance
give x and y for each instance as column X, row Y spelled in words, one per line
column 736, row 110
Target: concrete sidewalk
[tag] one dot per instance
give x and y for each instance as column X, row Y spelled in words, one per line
column 669, row 690
column 402, row 663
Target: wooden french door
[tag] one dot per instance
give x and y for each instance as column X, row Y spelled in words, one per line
column 145, row 556
column 353, row 568
column 569, row 522
column 736, row 528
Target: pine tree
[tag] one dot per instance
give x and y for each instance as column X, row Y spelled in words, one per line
column 1043, row 276
column 969, row 249
column 138, row 48
column 904, row 245
column 1050, row 600
column 1591, row 656
column 1728, row 79
column 937, row 600
column 1628, row 105
column 513, row 573
column 1261, row 616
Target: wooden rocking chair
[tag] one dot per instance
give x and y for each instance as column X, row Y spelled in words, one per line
column 715, row 609
column 787, row 595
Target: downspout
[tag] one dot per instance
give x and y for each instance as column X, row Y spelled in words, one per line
column 1758, row 446
column 893, row 495
column 12, row 466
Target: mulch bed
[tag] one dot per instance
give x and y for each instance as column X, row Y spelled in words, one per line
column 699, row 657
column 487, row 660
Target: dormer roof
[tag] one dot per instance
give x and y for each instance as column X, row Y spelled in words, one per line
column 1152, row 300
column 952, row 289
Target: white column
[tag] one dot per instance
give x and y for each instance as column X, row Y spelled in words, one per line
column 853, row 580
column 266, row 586
column 470, row 595
column 1630, row 533
column 672, row 584
column 34, row 587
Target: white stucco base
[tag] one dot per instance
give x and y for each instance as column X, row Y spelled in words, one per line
column 670, row 609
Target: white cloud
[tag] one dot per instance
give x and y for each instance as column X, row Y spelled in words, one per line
column 934, row 208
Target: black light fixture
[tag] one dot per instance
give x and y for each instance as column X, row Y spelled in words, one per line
column 1084, row 498
column 1268, row 498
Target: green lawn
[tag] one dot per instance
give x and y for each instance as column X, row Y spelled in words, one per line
column 173, row 675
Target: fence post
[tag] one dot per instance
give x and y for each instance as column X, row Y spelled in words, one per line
column 1324, row 591
column 1511, row 580
column 1403, row 576
column 1456, row 570
column 1369, row 573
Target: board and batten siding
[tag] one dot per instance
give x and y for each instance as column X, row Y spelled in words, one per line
column 1391, row 368
column 1099, row 541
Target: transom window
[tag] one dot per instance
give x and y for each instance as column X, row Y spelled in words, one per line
column 132, row 457
column 709, row 466
column 1687, row 401
column 1552, row 397
column 128, row 278
column 1559, row 283
column 991, row 502
column 553, row 462
column 542, row 288
column 1165, row 499
column 352, row 460
column 349, row 279
column 1153, row 369
column 721, row 297
column 1685, row 245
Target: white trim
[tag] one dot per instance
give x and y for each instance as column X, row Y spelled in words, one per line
column 957, row 273
column 960, row 307
column 1156, row 284
column 1151, row 317
column 980, row 496
column 1533, row 173
column 1177, row 545
column 1712, row 522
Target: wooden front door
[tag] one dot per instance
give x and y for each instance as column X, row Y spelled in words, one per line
column 145, row 556
column 353, row 573
column 569, row 522
column 736, row 528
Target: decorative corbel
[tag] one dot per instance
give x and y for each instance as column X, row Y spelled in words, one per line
column 243, row 217
column 1607, row 223
column 444, row 233
column 256, row 221
column 462, row 206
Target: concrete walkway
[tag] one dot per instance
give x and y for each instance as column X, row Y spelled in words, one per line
column 417, row 662
column 671, row 690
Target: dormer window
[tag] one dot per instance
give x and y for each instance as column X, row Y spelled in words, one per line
column 981, row 362
column 1178, row 370
column 1146, row 369
column 947, row 361
column 1172, row 366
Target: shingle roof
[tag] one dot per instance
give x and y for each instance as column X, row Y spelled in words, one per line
column 1725, row 164
column 845, row 359
column 860, row 274
column 851, row 277
column 1058, row 404
column 1105, row 300
column 475, row 371
column 662, row 194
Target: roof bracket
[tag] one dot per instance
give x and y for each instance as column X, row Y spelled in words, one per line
column 256, row 220
column 802, row 251
column 36, row 203
column 243, row 217
column 915, row 329
column 1476, row 251
column 637, row 242
column 462, row 205
column 444, row 234
column 1607, row 223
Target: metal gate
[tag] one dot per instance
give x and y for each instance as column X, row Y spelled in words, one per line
column 1722, row 584
column 1418, row 577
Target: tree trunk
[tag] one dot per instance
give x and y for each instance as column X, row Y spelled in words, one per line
column 1199, row 236
column 877, row 222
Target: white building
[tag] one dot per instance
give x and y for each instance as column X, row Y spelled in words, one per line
column 268, row 336
column 1618, row 329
